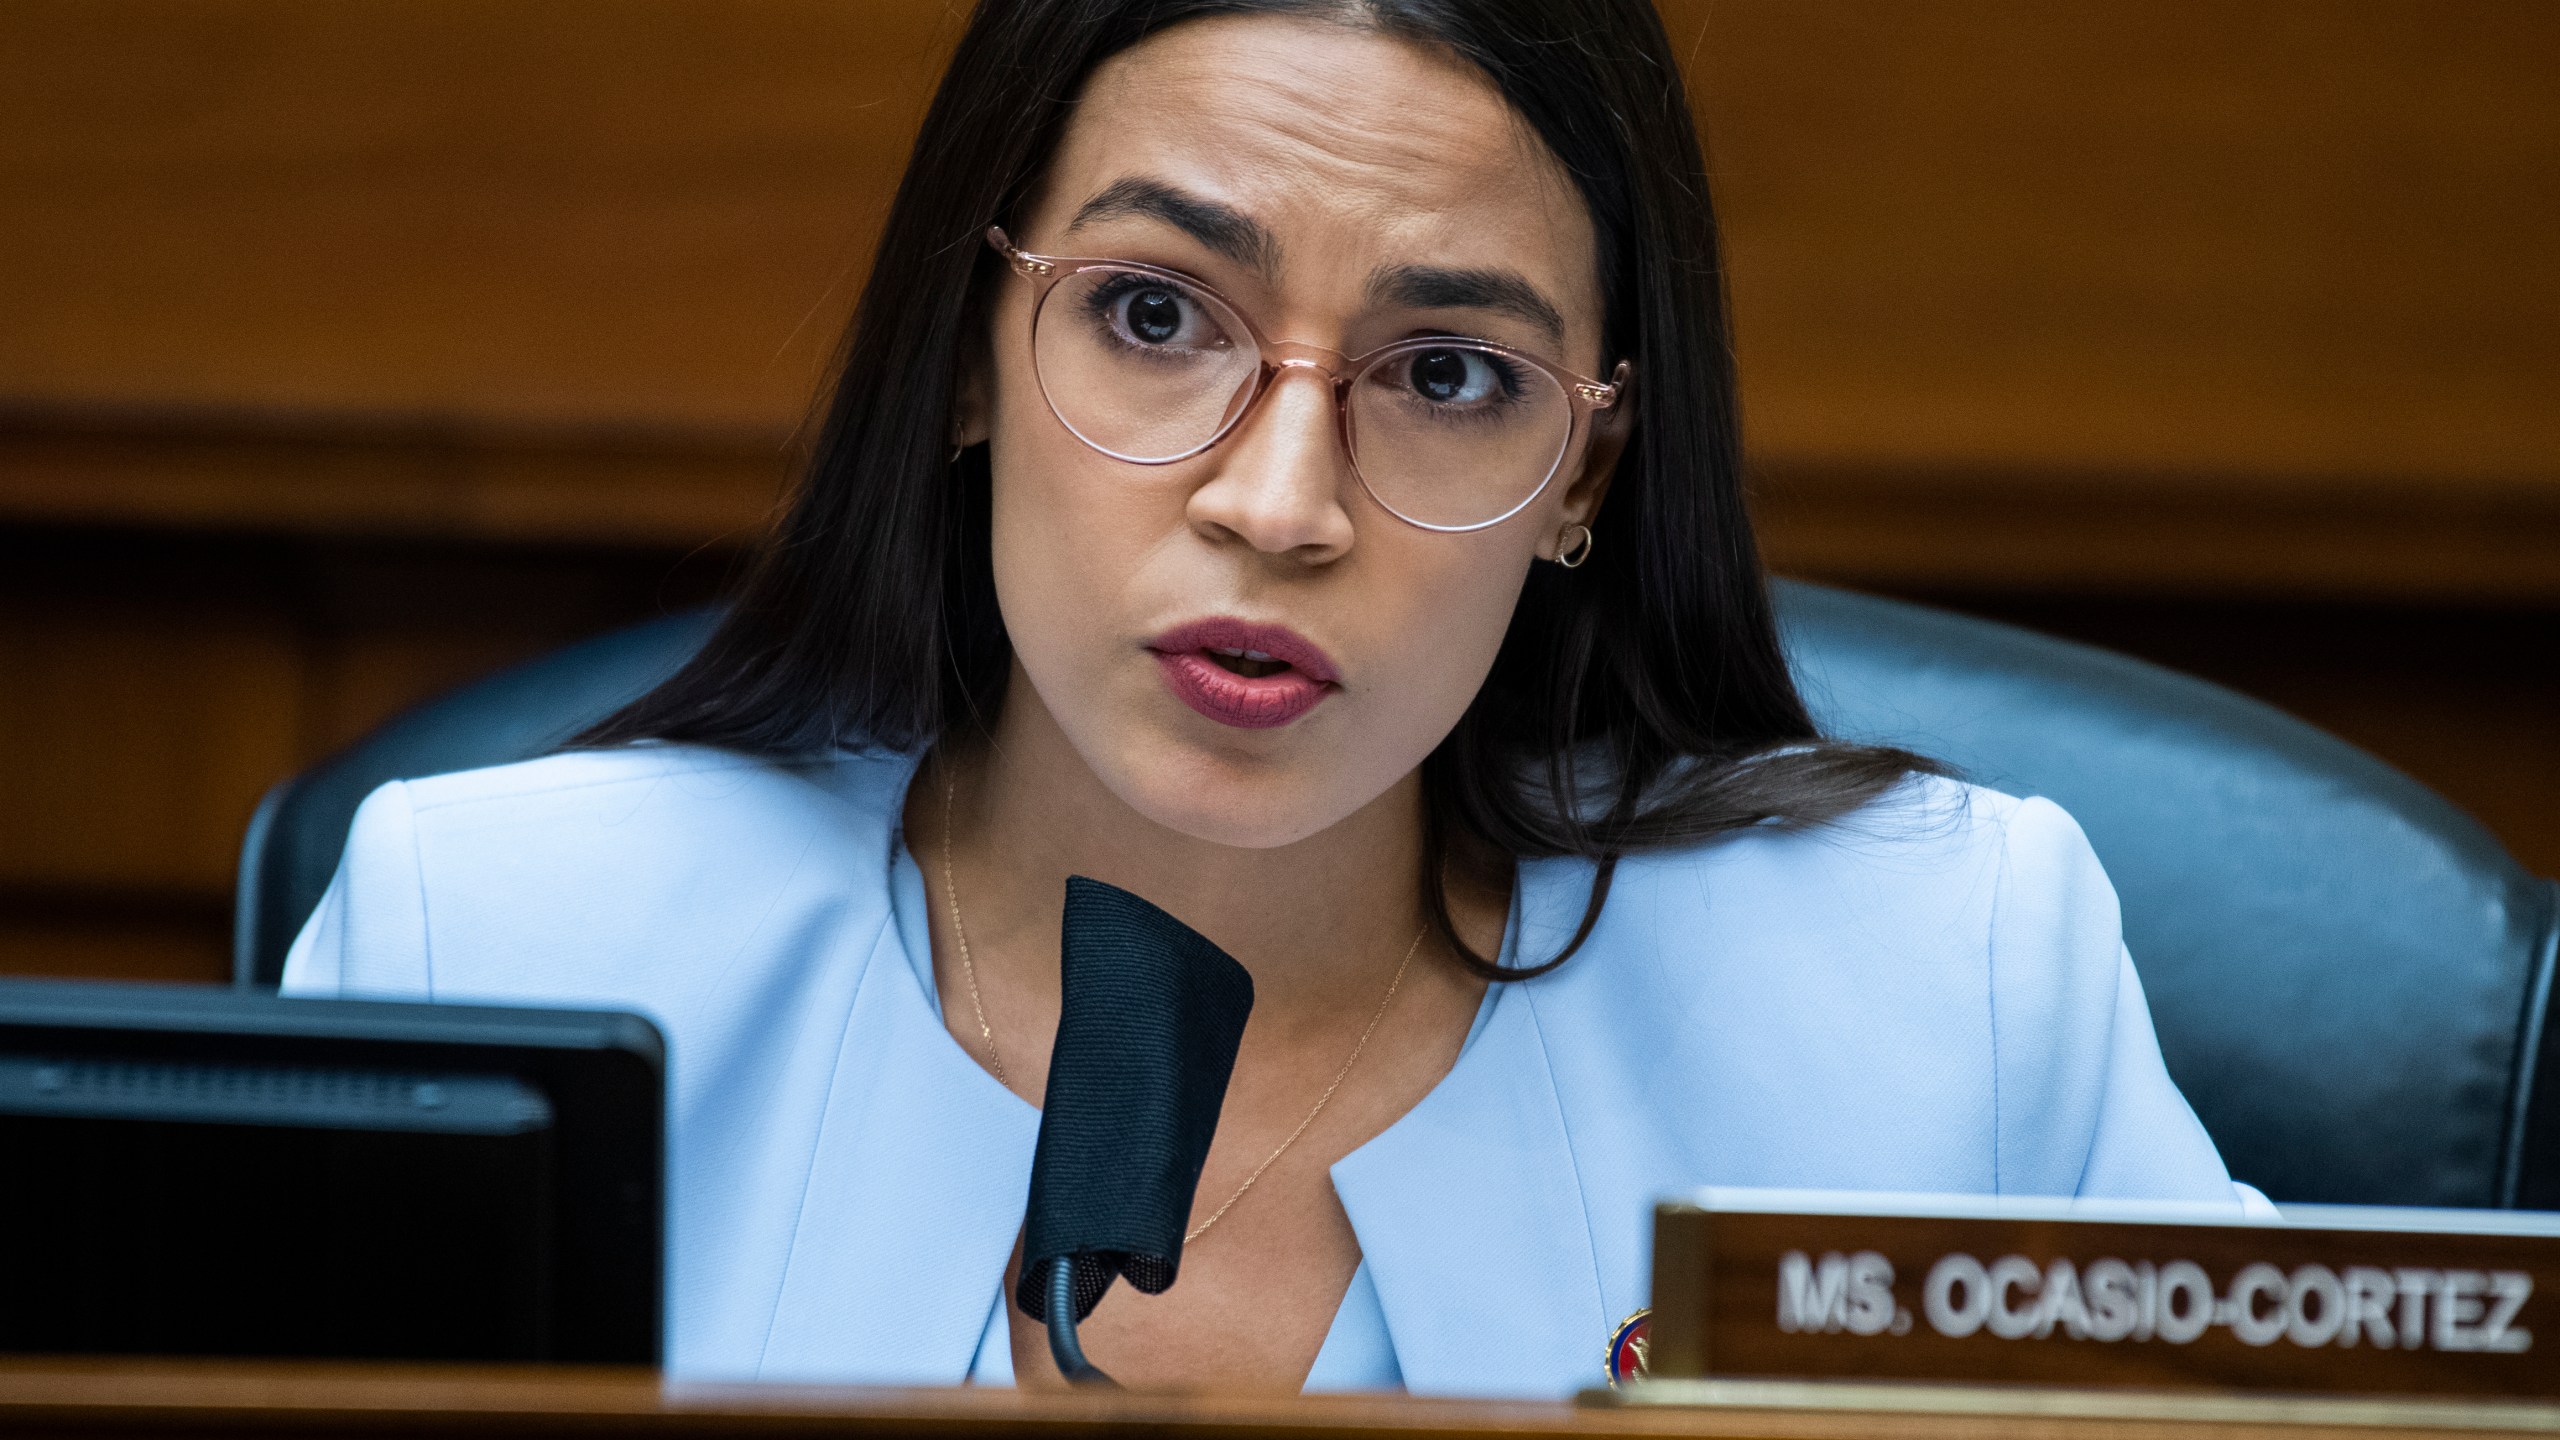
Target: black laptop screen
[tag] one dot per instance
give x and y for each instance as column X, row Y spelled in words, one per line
column 323, row 1179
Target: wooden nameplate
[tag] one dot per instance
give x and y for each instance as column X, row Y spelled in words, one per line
column 1783, row 1285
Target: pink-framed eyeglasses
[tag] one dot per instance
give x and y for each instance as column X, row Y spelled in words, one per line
column 1151, row 366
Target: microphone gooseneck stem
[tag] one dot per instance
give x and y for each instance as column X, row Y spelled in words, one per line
column 1064, row 1347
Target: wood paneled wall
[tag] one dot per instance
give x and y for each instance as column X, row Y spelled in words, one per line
column 348, row 350
column 2038, row 276
column 2169, row 297
column 2282, row 241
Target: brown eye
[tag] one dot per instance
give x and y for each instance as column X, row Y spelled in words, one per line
column 1460, row 376
column 1154, row 316
column 1440, row 375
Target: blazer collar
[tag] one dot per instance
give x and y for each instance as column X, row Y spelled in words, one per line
column 1470, row 1209
column 916, row 1189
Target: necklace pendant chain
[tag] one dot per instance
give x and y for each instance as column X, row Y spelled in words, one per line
column 960, row 933
column 1322, row 1100
column 995, row 1059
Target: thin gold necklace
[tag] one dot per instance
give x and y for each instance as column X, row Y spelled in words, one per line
column 995, row 1061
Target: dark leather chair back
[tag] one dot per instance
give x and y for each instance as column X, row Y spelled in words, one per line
column 2351, row 979
column 292, row 846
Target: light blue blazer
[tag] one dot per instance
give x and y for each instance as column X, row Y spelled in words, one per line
column 1933, row 997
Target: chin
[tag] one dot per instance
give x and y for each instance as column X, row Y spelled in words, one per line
column 1224, row 800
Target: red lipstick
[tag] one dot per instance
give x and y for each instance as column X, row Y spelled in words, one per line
column 1253, row 677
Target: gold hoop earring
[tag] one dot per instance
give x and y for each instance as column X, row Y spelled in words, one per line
column 1570, row 550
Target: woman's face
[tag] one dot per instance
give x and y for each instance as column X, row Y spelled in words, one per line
column 1345, row 190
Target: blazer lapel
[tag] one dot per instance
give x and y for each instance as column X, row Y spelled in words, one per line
column 916, row 1190
column 1470, row 1209
column 1471, row 1215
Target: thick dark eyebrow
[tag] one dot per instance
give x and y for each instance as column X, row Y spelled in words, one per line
column 1440, row 287
column 1222, row 228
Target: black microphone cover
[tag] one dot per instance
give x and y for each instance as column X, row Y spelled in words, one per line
column 1148, row 1024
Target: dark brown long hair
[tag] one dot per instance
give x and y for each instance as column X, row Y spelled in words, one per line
column 1639, row 702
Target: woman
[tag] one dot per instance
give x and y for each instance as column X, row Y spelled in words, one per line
column 1313, row 506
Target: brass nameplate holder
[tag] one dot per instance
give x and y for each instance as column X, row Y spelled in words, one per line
column 1780, row 1286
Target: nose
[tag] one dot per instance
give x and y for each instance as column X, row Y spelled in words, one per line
column 1280, row 479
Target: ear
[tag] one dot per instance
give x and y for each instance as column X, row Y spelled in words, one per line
column 973, row 384
column 1611, row 429
column 970, row 408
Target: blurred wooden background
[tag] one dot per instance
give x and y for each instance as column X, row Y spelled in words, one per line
column 348, row 350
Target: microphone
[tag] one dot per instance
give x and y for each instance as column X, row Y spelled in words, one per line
column 1149, row 1019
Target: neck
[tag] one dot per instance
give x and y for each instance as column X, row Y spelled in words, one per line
column 1315, row 921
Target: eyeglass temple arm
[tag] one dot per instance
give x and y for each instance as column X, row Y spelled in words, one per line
column 1026, row 264
column 1602, row 396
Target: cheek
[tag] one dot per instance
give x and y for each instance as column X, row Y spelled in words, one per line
column 1065, row 545
column 1080, row 546
column 1439, row 623
column 1047, row 516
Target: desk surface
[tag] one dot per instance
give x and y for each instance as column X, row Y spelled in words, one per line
column 166, row 1399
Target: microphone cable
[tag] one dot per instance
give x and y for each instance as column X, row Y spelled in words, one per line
column 1064, row 1347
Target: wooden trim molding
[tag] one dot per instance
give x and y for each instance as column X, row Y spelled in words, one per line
column 2162, row 535
column 1985, row 531
column 391, row 477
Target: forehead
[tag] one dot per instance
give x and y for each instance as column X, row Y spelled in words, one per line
column 1354, row 148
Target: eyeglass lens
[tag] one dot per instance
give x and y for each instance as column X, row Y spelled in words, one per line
column 1444, row 433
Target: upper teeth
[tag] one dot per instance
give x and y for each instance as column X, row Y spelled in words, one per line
column 1237, row 654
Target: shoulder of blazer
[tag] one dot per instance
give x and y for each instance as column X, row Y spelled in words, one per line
column 1927, row 855
column 596, row 874
column 871, row 780
column 1943, row 913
